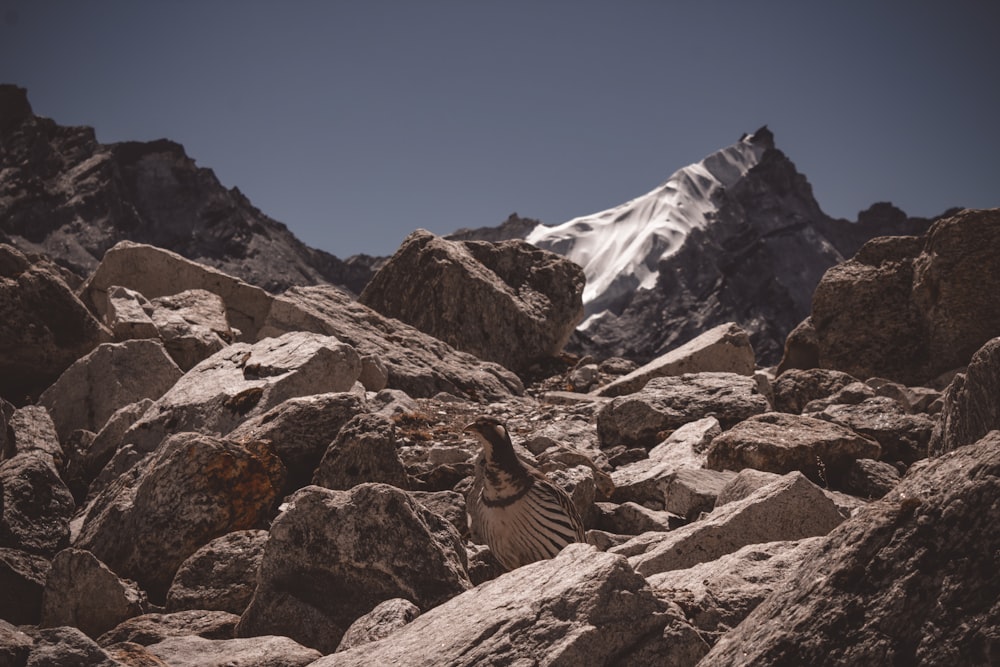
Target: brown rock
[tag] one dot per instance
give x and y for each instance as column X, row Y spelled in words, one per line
column 22, row 580
column 971, row 407
column 795, row 388
column 221, row 575
column 902, row 436
column 152, row 628
column 364, row 451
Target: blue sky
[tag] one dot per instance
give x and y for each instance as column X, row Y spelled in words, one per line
column 355, row 122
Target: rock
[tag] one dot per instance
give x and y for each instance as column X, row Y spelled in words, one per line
column 133, row 655
column 691, row 491
column 416, row 363
column 911, row 399
column 929, row 301
column 516, row 304
column 630, row 518
column 43, row 327
column 106, row 442
column 155, row 272
column 221, row 575
column 780, row 442
column 892, row 584
column 128, row 314
column 82, row 592
column 245, row 380
column 724, row 349
column 192, row 325
column 795, row 388
column 902, row 436
column 374, row 373
column 790, row 508
column 744, row 484
column 193, row 489
column 870, row 479
column 581, row 607
column 379, row 623
column 154, row 628
column 14, row 645
column 670, row 402
column 333, row 555
column 852, row 394
column 717, row 595
column 22, row 579
column 37, row 504
column 57, row 647
column 801, row 348
column 448, row 505
column 970, row 402
column 364, row 451
column 301, row 429
column 256, row 651
column 30, row 430
column 110, row 377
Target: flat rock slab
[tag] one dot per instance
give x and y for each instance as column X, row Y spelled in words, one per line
column 266, row 651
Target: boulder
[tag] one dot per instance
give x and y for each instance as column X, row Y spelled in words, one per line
column 14, row 645
column 83, row 592
column 155, row 272
column 691, row 491
column 43, row 327
column 667, row 403
column 717, row 595
column 380, row 622
column 193, row 489
column 301, row 429
column 192, row 325
column 364, row 451
column 929, row 301
column 970, row 403
column 789, row 508
column 870, row 479
column 449, row 505
column 795, row 388
column 630, row 518
column 221, row 575
column 724, row 349
column 416, row 363
column 104, row 445
column 508, row 302
column 246, row 380
column 583, row 607
column 37, row 504
column 333, row 555
column 902, row 436
column 55, row 647
column 744, row 484
column 910, row 579
column 153, row 628
column 193, row 651
column 30, row 430
column 780, row 442
column 22, row 580
column 851, row 394
column 128, row 314
column 110, row 377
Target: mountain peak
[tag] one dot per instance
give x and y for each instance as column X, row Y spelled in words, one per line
column 14, row 106
column 762, row 137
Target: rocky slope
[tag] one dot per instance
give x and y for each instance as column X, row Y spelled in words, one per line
column 64, row 194
column 297, row 495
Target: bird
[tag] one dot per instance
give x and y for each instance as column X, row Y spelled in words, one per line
column 523, row 516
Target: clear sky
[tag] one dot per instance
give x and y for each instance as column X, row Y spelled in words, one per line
column 355, row 122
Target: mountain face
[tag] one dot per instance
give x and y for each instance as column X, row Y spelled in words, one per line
column 64, row 194
column 736, row 237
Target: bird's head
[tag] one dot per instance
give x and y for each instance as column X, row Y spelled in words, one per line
column 493, row 436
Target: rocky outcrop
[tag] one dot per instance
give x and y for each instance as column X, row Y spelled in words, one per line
column 892, row 585
column 930, row 301
column 261, row 651
column 970, row 402
column 44, row 327
column 72, row 198
column 508, row 302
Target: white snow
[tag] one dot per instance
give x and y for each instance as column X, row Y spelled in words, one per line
column 620, row 248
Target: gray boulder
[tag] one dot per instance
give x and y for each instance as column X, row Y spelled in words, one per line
column 902, row 436
column 893, row 584
column 108, row 378
column 37, row 504
column 583, row 607
column 780, row 442
column 245, row 380
column 193, row 651
column 155, row 627
column 58, row 647
column 790, row 508
column 30, row 430
column 301, row 429
column 667, row 403
column 192, row 325
column 333, row 555
column 416, row 363
column 380, row 622
column 127, row 314
column 970, row 402
column 43, row 326
column 83, row 592
column 509, row 302
column 221, row 575
column 14, row 645
column 364, row 451
column 193, row 489
column 724, row 349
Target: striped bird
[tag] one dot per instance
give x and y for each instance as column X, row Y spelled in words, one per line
column 523, row 516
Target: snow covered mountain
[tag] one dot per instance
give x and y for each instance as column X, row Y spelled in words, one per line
column 620, row 249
